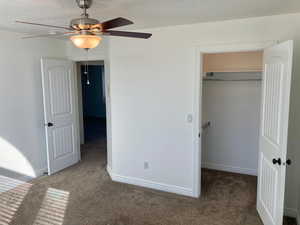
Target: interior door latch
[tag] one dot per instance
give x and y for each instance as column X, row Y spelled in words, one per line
column 49, row 124
column 277, row 161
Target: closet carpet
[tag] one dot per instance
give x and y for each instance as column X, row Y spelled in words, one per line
column 85, row 195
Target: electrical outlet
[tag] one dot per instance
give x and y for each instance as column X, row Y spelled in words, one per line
column 146, row 165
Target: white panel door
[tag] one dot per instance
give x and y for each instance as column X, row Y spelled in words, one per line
column 274, row 132
column 61, row 122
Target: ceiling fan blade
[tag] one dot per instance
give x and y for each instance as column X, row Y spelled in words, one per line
column 48, row 35
column 44, row 25
column 118, row 22
column 127, row 34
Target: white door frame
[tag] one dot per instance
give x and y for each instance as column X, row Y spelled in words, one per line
column 107, row 100
column 78, row 65
column 199, row 50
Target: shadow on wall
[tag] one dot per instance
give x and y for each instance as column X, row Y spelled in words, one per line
column 13, row 163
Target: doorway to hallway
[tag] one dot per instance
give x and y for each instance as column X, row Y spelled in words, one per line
column 92, row 102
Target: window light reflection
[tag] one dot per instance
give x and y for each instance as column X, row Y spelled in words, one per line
column 53, row 208
column 12, row 193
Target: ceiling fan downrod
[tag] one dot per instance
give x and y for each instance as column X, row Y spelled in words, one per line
column 84, row 4
column 84, row 23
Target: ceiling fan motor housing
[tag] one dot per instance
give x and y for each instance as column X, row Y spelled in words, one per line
column 85, row 23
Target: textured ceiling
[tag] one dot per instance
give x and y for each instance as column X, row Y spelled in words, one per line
column 145, row 13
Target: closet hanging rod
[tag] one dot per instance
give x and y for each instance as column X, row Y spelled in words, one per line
column 205, row 79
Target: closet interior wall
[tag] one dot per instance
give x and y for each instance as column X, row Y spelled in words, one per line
column 231, row 104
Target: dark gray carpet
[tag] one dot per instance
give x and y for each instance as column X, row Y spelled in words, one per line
column 84, row 195
column 94, row 128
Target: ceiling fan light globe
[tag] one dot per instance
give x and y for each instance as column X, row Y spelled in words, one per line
column 86, row 41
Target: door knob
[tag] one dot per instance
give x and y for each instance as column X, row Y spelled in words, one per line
column 288, row 162
column 50, row 124
column 276, row 161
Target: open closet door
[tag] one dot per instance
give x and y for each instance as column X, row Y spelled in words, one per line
column 274, row 132
column 61, row 122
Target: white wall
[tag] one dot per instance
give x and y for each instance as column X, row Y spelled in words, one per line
column 233, row 108
column 22, row 135
column 152, row 92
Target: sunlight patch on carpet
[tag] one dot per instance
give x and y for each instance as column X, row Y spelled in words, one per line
column 12, row 193
column 53, row 208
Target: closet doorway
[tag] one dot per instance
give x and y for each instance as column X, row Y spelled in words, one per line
column 242, row 113
column 231, row 100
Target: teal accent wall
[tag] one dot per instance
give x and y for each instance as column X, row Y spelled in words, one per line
column 92, row 95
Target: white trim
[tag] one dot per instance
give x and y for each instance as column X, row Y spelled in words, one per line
column 196, row 126
column 216, row 47
column 38, row 173
column 227, row 168
column 201, row 48
column 41, row 172
column 79, row 102
column 298, row 218
column 290, row 212
column 150, row 184
column 103, row 61
column 25, row 178
column 77, row 69
column 108, row 169
column 77, row 123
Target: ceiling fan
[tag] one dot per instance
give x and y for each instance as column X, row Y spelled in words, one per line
column 86, row 32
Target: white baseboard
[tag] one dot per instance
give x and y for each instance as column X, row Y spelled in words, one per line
column 231, row 169
column 41, row 172
column 150, row 184
column 38, row 173
column 11, row 182
column 20, row 179
column 109, row 171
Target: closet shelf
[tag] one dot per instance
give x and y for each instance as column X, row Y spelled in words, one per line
column 240, row 70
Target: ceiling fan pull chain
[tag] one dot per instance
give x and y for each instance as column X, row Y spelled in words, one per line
column 87, row 68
